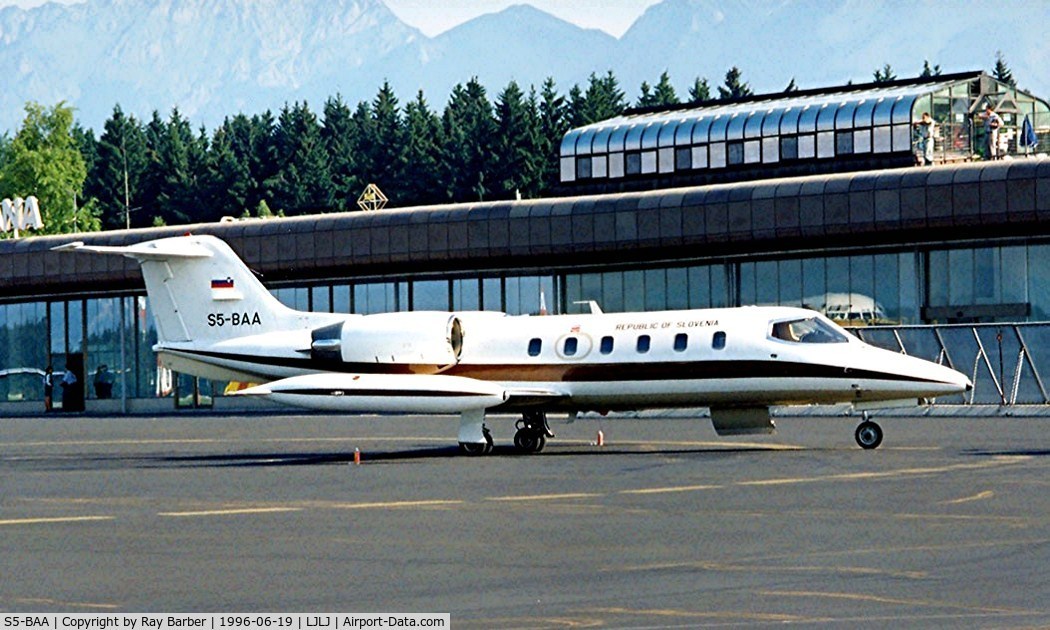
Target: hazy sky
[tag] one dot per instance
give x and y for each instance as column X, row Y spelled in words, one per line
column 612, row 16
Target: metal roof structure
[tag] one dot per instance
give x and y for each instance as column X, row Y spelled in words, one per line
column 875, row 208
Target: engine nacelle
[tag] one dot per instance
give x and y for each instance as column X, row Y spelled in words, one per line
column 416, row 338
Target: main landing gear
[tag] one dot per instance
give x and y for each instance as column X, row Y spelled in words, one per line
column 532, row 432
column 478, row 448
column 868, row 434
column 475, row 438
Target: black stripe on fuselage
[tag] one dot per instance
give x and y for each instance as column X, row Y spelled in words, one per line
column 585, row 373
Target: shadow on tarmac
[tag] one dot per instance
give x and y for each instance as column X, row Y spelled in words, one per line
column 279, row 459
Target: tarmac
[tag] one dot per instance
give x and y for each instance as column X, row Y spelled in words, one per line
column 666, row 525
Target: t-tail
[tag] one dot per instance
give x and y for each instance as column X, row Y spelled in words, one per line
column 200, row 290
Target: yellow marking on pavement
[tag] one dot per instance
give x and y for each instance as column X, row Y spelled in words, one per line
column 388, row 504
column 548, row 497
column 693, row 614
column 903, row 472
column 234, row 511
column 37, row 601
column 672, row 489
column 741, row 568
column 861, row 597
column 980, row 496
column 55, row 519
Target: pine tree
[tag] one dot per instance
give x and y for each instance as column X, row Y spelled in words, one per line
column 115, row 176
column 341, row 140
column 469, row 129
column 927, row 71
column 553, row 124
column 302, row 182
column 645, row 98
column 423, row 143
column 1001, row 71
column 734, row 86
column 228, row 179
column 515, row 146
column 386, row 143
column 884, row 74
column 699, row 92
column 662, row 95
column 603, row 100
column 664, row 92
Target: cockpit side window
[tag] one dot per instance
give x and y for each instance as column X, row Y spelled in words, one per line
column 809, row 330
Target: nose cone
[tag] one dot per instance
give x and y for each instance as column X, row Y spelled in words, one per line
column 952, row 381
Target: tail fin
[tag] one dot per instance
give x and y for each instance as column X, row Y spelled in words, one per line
column 199, row 289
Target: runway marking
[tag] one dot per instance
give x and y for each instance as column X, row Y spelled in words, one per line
column 548, row 497
column 895, row 600
column 903, row 472
column 234, row 511
column 56, row 519
column 980, row 496
column 694, row 614
column 389, row 504
column 745, row 568
column 672, row 489
column 52, row 602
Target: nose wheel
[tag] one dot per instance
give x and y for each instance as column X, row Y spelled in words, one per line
column 868, row 435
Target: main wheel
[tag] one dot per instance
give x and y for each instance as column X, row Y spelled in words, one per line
column 474, row 448
column 529, row 441
column 868, row 435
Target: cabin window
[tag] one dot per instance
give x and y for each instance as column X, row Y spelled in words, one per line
column 809, row 330
column 643, row 343
column 718, row 342
column 570, row 346
column 535, row 345
column 606, row 346
column 681, row 342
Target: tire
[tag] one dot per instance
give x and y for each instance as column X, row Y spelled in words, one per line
column 529, row 441
column 868, row 435
column 474, row 448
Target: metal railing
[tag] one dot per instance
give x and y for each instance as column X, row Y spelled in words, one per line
column 1005, row 361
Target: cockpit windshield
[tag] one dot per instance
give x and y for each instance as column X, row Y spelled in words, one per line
column 809, row 330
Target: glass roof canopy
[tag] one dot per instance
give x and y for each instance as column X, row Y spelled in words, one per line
column 869, row 124
column 752, row 119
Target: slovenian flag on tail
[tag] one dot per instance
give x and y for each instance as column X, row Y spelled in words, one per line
column 223, row 289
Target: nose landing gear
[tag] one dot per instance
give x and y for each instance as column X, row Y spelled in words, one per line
column 868, row 434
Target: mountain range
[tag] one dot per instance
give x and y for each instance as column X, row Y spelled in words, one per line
column 215, row 58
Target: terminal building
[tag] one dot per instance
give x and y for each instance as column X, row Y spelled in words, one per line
column 950, row 262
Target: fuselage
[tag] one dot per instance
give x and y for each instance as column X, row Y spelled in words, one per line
column 750, row 356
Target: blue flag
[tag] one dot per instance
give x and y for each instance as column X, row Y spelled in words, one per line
column 1028, row 138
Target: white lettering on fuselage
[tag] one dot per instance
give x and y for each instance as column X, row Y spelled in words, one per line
column 696, row 323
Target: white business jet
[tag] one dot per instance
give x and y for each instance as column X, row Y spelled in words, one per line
column 215, row 320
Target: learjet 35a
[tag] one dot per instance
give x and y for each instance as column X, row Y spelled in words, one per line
column 215, row 320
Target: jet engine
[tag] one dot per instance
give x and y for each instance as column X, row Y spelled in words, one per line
column 416, row 338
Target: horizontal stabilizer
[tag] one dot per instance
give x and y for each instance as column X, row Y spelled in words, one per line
column 165, row 249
